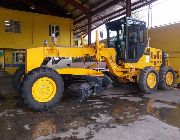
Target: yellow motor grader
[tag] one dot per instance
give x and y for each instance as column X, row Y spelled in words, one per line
column 127, row 55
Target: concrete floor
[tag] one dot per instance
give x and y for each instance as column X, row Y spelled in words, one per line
column 118, row 114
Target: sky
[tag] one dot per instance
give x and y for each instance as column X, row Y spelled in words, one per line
column 161, row 13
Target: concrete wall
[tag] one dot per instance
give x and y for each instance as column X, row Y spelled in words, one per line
column 167, row 38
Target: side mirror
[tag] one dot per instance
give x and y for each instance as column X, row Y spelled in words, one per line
column 101, row 34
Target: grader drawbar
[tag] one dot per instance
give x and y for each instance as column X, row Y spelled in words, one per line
column 127, row 55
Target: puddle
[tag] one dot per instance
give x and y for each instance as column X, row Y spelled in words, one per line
column 132, row 99
column 11, row 113
column 121, row 113
column 110, row 96
column 162, row 105
column 103, row 118
column 168, row 96
column 147, row 127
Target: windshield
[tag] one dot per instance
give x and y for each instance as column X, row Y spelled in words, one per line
column 112, row 38
column 115, row 37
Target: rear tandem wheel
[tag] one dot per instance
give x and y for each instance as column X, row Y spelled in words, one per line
column 148, row 80
column 166, row 78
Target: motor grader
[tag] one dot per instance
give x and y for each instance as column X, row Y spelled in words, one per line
column 127, row 55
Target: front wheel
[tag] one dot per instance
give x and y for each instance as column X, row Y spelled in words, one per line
column 42, row 89
column 148, row 80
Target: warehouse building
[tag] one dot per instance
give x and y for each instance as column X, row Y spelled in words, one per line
column 89, row 69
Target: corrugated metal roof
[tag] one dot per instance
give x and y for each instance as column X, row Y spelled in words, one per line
column 101, row 11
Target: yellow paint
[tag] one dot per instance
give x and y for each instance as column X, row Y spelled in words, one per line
column 125, row 71
column 154, row 60
column 44, row 89
column 11, row 70
column 79, row 71
column 151, row 80
column 8, row 61
column 69, row 52
column 169, row 78
column 34, row 29
column 167, row 39
column 34, row 58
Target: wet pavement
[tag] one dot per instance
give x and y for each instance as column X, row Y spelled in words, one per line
column 122, row 113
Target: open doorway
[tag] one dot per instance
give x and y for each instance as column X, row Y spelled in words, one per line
column 1, row 59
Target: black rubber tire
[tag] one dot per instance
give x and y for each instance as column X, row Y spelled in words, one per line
column 178, row 85
column 30, row 79
column 17, row 79
column 162, row 78
column 142, row 82
column 68, row 80
column 115, row 82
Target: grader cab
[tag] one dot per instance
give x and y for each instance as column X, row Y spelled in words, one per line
column 127, row 55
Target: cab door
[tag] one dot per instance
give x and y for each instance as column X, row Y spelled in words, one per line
column 135, row 42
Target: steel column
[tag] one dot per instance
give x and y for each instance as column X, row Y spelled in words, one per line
column 89, row 29
column 128, row 8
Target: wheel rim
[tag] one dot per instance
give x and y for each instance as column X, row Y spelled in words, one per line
column 44, row 89
column 169, row 78
column 151, row 80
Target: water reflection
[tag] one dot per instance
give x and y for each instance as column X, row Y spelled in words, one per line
column 167, row 112
column 45, row 128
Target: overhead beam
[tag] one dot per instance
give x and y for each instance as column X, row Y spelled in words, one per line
column 79, row 6
column 104, row 7
column 97, row 4
column 91, row 7
column 37, row 7
column 73, row 10
column 65, row 5
column 106, row 16
column 121, row 12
